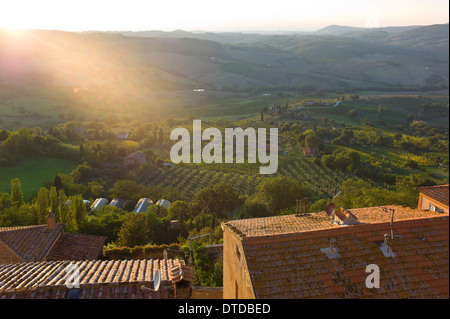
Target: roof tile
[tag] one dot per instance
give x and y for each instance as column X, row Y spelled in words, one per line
column 413, row 273
column 98, row 279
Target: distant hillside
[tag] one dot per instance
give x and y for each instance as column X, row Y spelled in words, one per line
column 131, row 66
column 345, row 30
column 433, row 39
column 337, row 30
column 226, row 37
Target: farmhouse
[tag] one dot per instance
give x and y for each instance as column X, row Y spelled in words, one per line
column 123, row 135
column 80, row 131
column 106, row 279
column 47, row 242
column 434, row 198
column 313, row 256
column 134, row 159
column 309, row 151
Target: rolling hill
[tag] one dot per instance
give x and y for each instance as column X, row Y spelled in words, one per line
column 122, row 65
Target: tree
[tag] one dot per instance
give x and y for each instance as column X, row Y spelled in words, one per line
column 134, row 231
column 5, row 200
column 312, row 140
column 126, row 189
column 57, row 183
column 82, row 173
column 63, row 208
column 179, row 210
column 352, row 113
column 79, row 212
column 217, row 200
column 253, row 208
column 280, row 193
column 54, row 201
column 206, row 271
column 161, row 136
column 42, row 205
column 16, row 192
column 82, row 152
column 95, row 190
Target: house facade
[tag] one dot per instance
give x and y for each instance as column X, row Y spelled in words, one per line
column 309, row 151
column 134, row 159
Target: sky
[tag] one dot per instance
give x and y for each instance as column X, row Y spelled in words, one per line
column 214, row 16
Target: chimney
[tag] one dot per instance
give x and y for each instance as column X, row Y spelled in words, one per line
column 51, row 221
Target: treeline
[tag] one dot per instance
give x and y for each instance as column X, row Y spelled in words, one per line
column 27, row 142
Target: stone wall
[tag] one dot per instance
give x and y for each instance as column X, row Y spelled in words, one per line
column 207, row 292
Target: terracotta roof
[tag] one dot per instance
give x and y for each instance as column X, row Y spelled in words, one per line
column 135, row 155
column 38, row 243
column 181, row 273
column 290, row 257
column 77, row 247
column 29, row 243
column 296, row 266
column 97, row 279
column 287, row 224
column 309, row 150
column 439, row 193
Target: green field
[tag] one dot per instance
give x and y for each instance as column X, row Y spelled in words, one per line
column 33, row 172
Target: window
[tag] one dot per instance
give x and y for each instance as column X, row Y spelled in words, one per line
column 238, row 253
column 435, row 209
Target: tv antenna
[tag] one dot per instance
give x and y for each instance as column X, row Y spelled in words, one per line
column 190, row 246
column 392, row 211
column 337, row 195
column 302, row 206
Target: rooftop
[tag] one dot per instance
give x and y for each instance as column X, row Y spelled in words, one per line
column 311, row 257
column 439, row 193
column 136, row 155
column 97, row 278
column 298, row 267
column 29, row 243
column 289, row 224
column 77, row 247
column 39, row 242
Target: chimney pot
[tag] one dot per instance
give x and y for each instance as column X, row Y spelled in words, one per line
column 51, row 220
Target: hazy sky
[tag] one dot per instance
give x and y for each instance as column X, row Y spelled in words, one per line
column 212, row 15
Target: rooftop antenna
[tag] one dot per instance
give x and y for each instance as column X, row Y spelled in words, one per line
column 305, row 199
column 337, row 195
column 392, row 211
column 190, row 246
column 302, row 207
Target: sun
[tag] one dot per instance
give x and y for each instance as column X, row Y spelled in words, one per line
column 13, row 17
